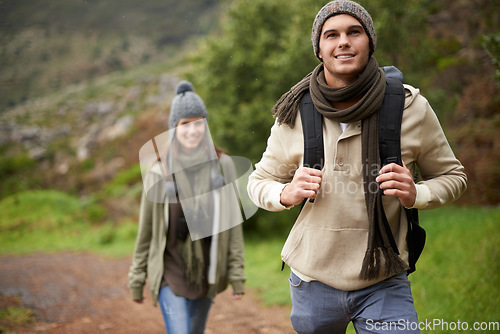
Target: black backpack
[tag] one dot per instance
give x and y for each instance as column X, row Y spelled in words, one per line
column 391, row 114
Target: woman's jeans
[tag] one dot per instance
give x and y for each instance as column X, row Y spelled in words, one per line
column 182, row 315
column 385, row 307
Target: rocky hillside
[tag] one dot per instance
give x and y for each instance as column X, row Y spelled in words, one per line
column 48, row 45
column 83, row 85
column 77, row 143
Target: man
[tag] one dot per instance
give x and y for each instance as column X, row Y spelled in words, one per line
column 341, row 271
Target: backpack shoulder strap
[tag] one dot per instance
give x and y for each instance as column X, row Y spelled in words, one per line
column 389, row 134
column 312, row 128
column 390, row 117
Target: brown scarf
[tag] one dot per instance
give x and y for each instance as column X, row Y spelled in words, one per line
column 370, row 86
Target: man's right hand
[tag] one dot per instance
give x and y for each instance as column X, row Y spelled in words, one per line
column 305, row 184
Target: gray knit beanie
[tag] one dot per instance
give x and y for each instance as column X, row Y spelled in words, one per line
column 337, row 7
column 186, row 104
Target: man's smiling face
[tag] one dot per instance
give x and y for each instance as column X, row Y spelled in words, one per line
column 344, row 48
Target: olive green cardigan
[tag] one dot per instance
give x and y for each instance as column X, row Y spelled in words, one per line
column 148, row 262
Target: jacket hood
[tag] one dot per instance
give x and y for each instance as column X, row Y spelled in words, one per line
column 410, row 93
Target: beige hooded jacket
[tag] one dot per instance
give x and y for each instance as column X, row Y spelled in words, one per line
column 329, row 238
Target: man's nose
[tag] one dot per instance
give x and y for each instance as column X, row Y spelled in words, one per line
column 343, row 40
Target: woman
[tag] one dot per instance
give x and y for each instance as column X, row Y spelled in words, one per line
column 179, row 248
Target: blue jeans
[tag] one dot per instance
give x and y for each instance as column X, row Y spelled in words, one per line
column 182, row 315
column 385, row 307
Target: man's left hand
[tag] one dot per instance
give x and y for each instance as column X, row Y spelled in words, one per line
column 396, row 180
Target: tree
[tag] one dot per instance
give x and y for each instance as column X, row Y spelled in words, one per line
column 240, row 72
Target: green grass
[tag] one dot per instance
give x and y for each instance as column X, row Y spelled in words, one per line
column 263, row 270
column 458, row 275
column 11, row 317
column 51, row 221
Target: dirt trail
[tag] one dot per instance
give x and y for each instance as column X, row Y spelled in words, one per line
column 85, row 293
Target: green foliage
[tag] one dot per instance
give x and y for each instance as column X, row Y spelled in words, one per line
column 124, row 182
column 491, row 43
column 87, row 164
column 241, row 71
column 16, row 174
column 93, row 211
column 12, row 317
column 12, row 165
column 401, row 29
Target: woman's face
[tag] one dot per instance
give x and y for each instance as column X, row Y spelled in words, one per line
column 190, row 133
